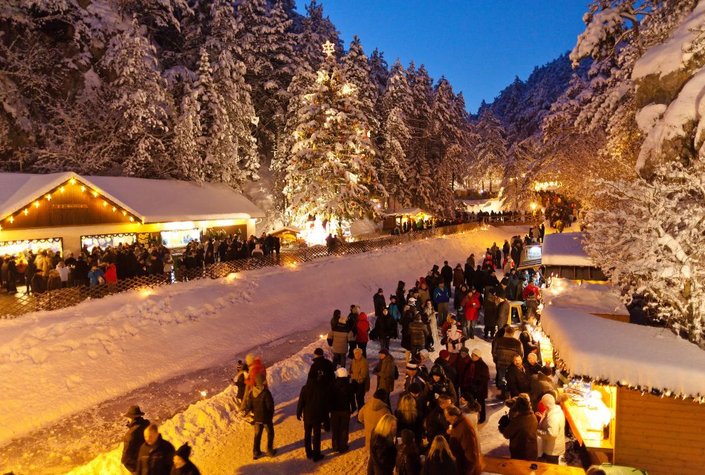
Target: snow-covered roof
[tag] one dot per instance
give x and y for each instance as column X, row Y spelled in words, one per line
column 152, row 200
column 590, row 297
column 565, row 249
column 486, row 205
column 285, row 229
column 628, row 354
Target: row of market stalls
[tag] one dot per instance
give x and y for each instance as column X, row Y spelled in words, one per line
column 65, row 212
column 635, row 395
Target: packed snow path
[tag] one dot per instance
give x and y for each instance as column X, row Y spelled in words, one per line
column 107, row 350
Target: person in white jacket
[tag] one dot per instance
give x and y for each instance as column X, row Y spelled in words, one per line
column 551, row 430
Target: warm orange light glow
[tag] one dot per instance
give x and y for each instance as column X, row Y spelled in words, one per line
column 95, row 194
column 124, row 213
column 83, row 188
column 114, row 209
column 36, row 204
column 48, row 197
column 132, row 219
column 105, row 203
column 26, row 211
column 72, row 181
column 61, row 189
column 11, row 219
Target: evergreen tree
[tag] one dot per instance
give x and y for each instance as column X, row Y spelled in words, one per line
column 140, row 103
column 316, row 30
column 330, row 172
column 489, row 150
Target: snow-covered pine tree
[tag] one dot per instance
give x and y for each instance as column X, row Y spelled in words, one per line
column 267, row 47
column 140, row 103
column 316, row 30
column 392, row 164
column 356, row 69
column 379, row 71
column 421, row 175
column 489, row 150
column 330, row 171
column 649, row 241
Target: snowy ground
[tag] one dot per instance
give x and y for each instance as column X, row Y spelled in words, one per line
column 65, row 376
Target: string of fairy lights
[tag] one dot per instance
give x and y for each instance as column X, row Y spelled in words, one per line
column 62, row 188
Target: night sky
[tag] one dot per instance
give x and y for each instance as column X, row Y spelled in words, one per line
column 479, row 45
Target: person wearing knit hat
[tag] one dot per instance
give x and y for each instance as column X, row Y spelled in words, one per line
column 182, row 464
column 341, row 398
column 413, row 376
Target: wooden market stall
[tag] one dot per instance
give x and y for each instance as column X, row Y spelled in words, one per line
column 637, row 397
column 70, row 211
column 407, row 219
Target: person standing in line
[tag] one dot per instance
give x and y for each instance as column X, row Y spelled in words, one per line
column 372, row 412
column 362, row 334
column 521, row 430
column 359, row 378
column 385, row 371
column 182, row 463
column 261, row 403
column 441, row 297
column 447, row 274
column 379, row 302
column 341, row 401
column 134, row 438
column 440, row 460
column 551, row 430
column 314, row 408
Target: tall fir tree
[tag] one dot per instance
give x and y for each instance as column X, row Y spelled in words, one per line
column 316, row 29
column 141, row 105
column 330, row 172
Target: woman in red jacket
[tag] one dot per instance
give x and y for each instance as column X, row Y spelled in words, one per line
column 362, row 333
column 471, row 304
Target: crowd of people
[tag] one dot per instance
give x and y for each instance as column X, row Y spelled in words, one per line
column 49, row 270
column 433, row 427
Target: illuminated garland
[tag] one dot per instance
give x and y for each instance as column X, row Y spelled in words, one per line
column 61, row 189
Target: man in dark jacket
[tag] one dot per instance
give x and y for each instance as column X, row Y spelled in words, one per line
column 134, row 438
column 379, row 302
column 261, row 403
column 314, row 407
column 417, row 334
column 435, row 422
column 491, row 312
column 156, row 455
column 518, row 380
column 322, row 371
column 504, row 349
column 475, row 379
column 385, row 328
column 447, row 274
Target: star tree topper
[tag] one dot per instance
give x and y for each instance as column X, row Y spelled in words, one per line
column 328, row 48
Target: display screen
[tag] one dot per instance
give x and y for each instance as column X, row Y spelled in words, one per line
column 178, row 239
column 107, row 240
column 15, row 248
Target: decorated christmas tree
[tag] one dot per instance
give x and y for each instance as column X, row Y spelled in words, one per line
column 330, row 174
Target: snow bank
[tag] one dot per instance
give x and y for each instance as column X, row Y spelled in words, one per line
column 565, row 249
column 630, row 354
column 209, row 420
column 671, row 55
column 103, row 349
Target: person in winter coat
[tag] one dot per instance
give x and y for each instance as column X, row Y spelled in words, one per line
column 531, row 363
column 435, row 422
column 464, row 443
column 322, row 371
column 518, row 379
column 385, row 328
column 409, row 417
column 261, row 403
column 385, row 371
column 408, row 454
column 504, row 349
column 503, row 312
column 521, row 430
column 441, row 297
column 551, row 430
column 401, row 294
column 458, row 276
column 156, row 456
column 314, row 407
column 470, row 408
column 379, row 302
column 471, row 305
column 394, row 309
column 359, row 379
column 460, row 364
column 440, row 459
column 341, row 401
column 418, row 333
column 340, row 340
column 182, row 464
column 454, row 338
column 491, row 314
column 372, row 412
column 383, row 452
column 447, row 274
column 440, row 384
column 424, row 293
column 134, row 438
column 476, row 380
column 256, row 374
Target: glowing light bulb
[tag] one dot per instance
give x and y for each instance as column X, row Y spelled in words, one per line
column 204, row 393
column 83, row 188
column 26, row 211
column 105, row 203
column 72, row 181
column 48, row 197
column 124, row 213
column 95, row 194
column 11, row 219
column 36, row 204
column 114, row 209
column 132, row 220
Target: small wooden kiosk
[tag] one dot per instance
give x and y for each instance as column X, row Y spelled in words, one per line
column 650, row 382
column 407, row 219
